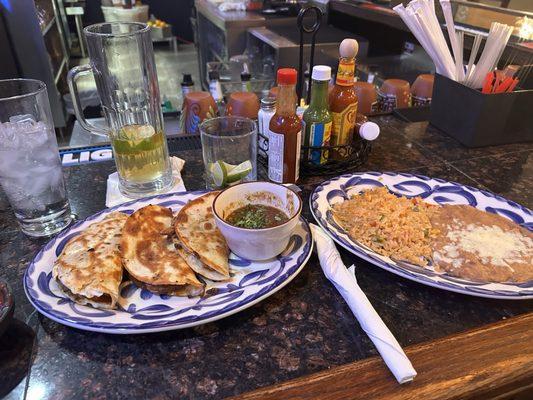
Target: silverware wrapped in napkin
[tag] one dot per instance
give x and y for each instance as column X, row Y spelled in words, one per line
column 344, row 280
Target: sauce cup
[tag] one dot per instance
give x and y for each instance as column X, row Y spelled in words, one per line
column 257, row 244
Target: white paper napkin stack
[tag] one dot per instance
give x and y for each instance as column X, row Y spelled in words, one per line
column 344, row 280
column 114, row 197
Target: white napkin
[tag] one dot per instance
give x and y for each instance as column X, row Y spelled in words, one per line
column 114, row 197
column 232, row 6
column 344, row 280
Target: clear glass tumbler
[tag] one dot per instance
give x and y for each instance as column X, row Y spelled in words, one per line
column 30, row 167
column 229, row 147
column 122, row 61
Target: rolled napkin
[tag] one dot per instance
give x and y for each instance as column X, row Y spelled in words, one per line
column 114, row 197
column 344, row 280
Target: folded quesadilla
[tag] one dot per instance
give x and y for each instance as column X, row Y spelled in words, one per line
column 89, row 269
column 149, row 256
column 199, row 241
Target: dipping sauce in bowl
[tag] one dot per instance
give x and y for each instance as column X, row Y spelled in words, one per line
column 257, row 219
column 257, row 216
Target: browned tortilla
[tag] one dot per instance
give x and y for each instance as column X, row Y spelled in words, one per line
column 89, row 269
column 481, row 246
column 200, row 242
column 149, row 256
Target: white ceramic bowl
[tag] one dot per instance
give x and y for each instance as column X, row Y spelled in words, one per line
column 257, row 244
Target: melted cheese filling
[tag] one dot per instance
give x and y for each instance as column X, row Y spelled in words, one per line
column 491, row 243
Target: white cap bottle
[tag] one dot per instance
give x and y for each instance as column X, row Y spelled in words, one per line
column 321, row 73
column 369, row 130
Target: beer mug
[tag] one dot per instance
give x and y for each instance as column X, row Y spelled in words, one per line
column 122, row 61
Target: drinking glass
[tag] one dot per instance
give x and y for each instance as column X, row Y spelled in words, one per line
column 30, row 167
column 229, row 147
column 122, row 61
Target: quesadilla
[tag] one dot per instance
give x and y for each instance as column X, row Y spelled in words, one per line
column 199, row 241
column 149, row 256
column 89, row 269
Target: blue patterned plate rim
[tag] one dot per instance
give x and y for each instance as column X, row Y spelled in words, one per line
column 505, row 291
column 286, row 268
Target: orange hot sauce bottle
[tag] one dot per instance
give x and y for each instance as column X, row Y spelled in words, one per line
column 343, row 98
column 285, row 132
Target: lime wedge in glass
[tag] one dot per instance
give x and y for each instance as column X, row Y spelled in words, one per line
column 236, row 173
column 218, row 173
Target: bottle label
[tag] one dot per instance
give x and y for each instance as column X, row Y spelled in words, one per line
column 345, row 74
column 276, row 157
column 386, row 102
column 343, row 124
column 319, row 135
column 216, row 91
column 276, row 147
column 263, row 132
column 298, row 154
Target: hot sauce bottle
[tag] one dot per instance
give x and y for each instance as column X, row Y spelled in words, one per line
column 285, row 134
column 317, row 118
column 343, row 98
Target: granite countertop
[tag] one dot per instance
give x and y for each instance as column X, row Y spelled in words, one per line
column 304, row 328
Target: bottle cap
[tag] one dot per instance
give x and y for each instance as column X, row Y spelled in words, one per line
column 348, row 48
column 369, row 130
column 321, row 73
column 187, row 78
column 214, row 75
column 268, row 101
column 287, row 76
column 246, row 76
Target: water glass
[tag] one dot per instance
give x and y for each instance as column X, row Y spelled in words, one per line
column 229, row 147
column 122, row 61
column 30, row 167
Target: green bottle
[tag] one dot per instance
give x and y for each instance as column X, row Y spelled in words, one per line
column 317, row 118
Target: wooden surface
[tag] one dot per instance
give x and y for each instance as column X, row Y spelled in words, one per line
column 492, row 362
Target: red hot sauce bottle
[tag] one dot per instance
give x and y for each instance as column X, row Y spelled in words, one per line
column 285, row 136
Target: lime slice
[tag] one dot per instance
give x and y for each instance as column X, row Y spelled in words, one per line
column 218, row 173
column 228, row 167
column 237, row 173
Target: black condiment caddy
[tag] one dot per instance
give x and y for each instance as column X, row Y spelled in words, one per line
column 355, row 154
column 476, row 119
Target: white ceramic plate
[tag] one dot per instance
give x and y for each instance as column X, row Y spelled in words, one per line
column 433, row 190
column 142, row 311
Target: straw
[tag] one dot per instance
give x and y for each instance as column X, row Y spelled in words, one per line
column 497, row 39
column 420, row 17
column 473, row 55
column 450, row 26
column 460, row 69
column 410, row 21
column 442, row 52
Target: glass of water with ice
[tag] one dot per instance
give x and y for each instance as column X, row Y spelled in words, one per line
column 30, row 167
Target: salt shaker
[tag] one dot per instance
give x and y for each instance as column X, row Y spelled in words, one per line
column 267, row 110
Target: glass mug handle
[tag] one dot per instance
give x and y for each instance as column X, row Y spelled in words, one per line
column 73, row 75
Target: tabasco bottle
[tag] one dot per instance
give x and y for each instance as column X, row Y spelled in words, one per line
column 343, row 98
column 285, row 134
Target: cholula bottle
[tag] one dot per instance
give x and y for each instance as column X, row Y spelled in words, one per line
column 285, row 134
column 343, row 98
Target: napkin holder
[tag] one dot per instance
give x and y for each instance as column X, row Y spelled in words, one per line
column 476, row 119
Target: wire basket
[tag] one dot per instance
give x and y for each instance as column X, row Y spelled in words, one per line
column 354, row 155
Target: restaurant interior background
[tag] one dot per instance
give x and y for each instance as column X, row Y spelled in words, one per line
column 191, row 37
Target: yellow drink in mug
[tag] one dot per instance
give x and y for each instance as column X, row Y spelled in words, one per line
column 141, row 153
column 122, row 55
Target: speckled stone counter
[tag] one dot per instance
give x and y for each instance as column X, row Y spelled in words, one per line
column 304, row 328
